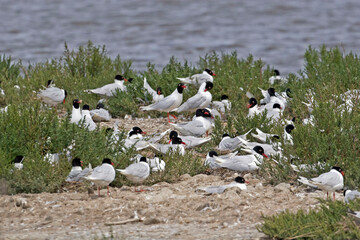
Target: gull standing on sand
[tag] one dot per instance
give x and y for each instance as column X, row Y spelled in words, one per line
column 109, row 90
column 329, row 181
column 136, row 172
column 200, row 100
column 198, row 79
column 102, row 175
column 156, row 95
column 169, row 103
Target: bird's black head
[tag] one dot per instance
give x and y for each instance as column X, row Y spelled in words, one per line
column 132, row 133
column 142, row 159
column 252, row 103
column 86, row 107
column 173, row 134
column 225, row 135
column 260, row 150
column 130, row 80
column 108, row 161
column 276, row 72
column 223, row 97
column 271, row 92
column 180, row 87
column 65, row 92
column 275, row 137
column 206, row 113
column 198, row 112
column 108, row 130
column 276, row 105
column 338, row 169
column 213, row 153
column 76, row 162
column 239, row 179
column 210, row 72
column 76, row 103
column 137, row 130
column 119, row 77
column 158, row 91
column 18, row 159
column 208, row 86
column 177, row 140
column 100, row 105
column 289, row 128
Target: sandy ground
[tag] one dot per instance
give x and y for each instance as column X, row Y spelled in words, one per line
column 166, row 211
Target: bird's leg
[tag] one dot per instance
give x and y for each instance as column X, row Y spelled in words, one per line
column 327, row 195
column 168, row 115
column 173, row 116
column 207, row 133
column 98, row 191
column 334, row 196
column 108, row 191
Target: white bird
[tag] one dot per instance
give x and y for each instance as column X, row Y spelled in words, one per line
column 77, row 173
column 200, row 100
column 190, row 141
column 273, row 111
column 198, row 79
column 102, row 175
column 135, row 139
column 228, row 143
column 277, row 77
column 253, row 107
column 169, row 103
column 198, row 127
column 239, row 182
column 329, row 181
column 350, row 195
column 156, row 164
column 264, row 137
column 18, row 162
column 210, row 159
column 177, row 145
column 86, row 119
column 136, row 172
column 223, row 105
column 76, row 112
column 53, row 95
column 100, row 114
column 243, row 162
column 110, row 90
column 156, row 95
column 287, row 137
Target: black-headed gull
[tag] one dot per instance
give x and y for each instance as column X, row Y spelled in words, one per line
column 77, row 173
column 18, row 162
column 190, row 141
column 210, row 160
column 76, row 112
column 102, row 175
column 100, row 114
column 198, row 79
column 277, row 77
column 350, row 195
column 198, row 127
column 329, row 181
column 135, row 139
column 253, row 108
column 239, row 182
column 200, row 100
column 169, row 103
column 287, row 131
column 243, row 162
column 264, row 137
column 177, row 145
column 156, row 95
column 223, row 105
column 53, row 96
column 136, row 172
column 86, row 119
column 109, row 90
column 228, row 143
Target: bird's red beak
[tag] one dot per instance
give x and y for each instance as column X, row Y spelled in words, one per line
column 80, row 101
column 280, row 107
column 342, row 173
column 247, row 182
column 214, row 74
column 170, row 141
column 159, row 92
column 112, row 163
column 143, row 133
column 264, row 155
column 205, row 90
column 183, row 143
column 126, row 80
column 81, row 163
column 183, row 86
column 248, row 106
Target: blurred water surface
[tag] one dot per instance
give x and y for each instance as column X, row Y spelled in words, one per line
column 276, row 31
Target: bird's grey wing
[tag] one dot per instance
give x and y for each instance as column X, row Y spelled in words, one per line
column 195, row 127
column 164, row 103
column 84, row 173
column 192, row 103
column 54, row 93
column 138, row 170
column 329, row 178
column 73, row 176
column 200, row 78
column 215, row 189
column 232, row 143
column 102, row 172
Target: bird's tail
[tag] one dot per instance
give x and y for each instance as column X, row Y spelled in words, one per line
column 305, row 181
column 185, row 80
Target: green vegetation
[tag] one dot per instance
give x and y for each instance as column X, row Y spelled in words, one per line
column 330, row 221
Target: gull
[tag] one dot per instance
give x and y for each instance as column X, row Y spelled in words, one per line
column 190, row 141
column 223, row 105
column 156, row 95
column 239, row 182
column 198, row 127
column 86, row 119
column 100, row 114
column 210, row 160
column 18, row 162
column 198, row 79
column 177, row 145
column 264, row 137
column 136, row 172
column 329, row 181
column 110, row 90
column 76, row 112
column 228, row 143
column 102, row 175
column 253, row 107
column 77, row 173
column 135, row 139
column 200, row 100
column 277, row 77
column 53, row 96
column 350, row 195
column 169, row 103
column 287, row 137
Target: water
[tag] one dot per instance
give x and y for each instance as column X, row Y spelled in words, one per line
column 152, row 31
